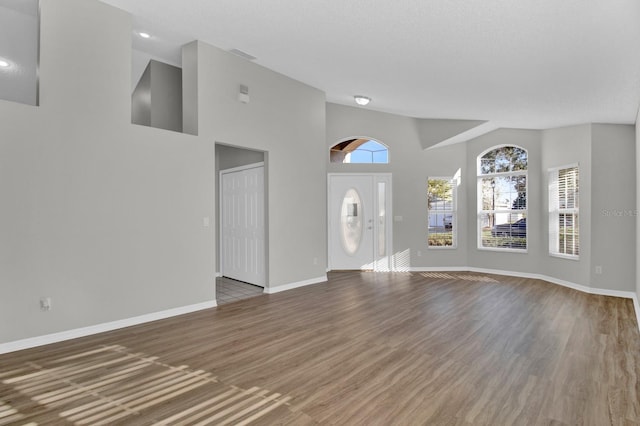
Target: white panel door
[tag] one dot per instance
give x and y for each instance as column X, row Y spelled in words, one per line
column 359, row 226
column 242, row 225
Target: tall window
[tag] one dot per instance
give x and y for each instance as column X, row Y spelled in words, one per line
column 564, row 207
column 441, row 203
column 502, row 199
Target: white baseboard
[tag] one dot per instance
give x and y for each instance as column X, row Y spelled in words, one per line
column 579, row 287
column 284, row 287
column 583, row 288
column 114, row 325
column 101, row 328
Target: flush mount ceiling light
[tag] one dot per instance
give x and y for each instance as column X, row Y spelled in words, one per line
column 144, row 35
column 4, row 63
column 362, row 100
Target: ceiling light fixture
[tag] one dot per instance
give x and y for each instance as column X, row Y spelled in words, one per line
column 144, row 35
column 362, row 100
column 4, row 64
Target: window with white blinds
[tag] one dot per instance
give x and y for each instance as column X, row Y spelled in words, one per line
column 564, row 206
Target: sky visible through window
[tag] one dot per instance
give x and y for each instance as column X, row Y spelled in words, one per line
column 370, row 152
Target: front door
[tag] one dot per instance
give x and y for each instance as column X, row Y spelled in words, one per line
column 359, row 221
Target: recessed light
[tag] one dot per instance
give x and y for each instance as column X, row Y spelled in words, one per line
column 144, row 35
column 4, row 64
column 361, row 100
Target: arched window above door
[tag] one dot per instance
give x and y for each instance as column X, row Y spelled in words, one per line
column 360, row 150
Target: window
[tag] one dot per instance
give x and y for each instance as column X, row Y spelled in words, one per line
column 502, row 199
column 359, row 151
column 564, row 232
column 441, row 203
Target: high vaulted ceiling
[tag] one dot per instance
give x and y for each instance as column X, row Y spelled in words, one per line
column 515, row 63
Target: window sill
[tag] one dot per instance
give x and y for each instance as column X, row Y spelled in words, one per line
column 504, row 250
column 565, row 256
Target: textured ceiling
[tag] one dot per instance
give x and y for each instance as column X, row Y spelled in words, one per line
column 515, row 63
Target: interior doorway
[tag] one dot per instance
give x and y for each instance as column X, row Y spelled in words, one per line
column 241, row 222
column 360, row 225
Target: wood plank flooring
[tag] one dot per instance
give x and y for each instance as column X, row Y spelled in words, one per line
column 363, row 349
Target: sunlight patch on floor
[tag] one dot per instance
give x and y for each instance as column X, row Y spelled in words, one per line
column 111, row 384
column 8, row 414
column 463, row 277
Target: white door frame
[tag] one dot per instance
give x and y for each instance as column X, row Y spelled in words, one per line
column 221, row 223
column 380, row 265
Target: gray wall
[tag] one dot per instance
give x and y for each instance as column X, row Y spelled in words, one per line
column 141, row 99
column 157, row 99
column 166, row 96
column 562, row 147
column 613, row 225
column 190, row 96
column 285, row 119
column 102, row 216
column 228, row 157
column 637, row 167
column 106, row 217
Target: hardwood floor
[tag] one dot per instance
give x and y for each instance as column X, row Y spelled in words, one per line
column 364, row 348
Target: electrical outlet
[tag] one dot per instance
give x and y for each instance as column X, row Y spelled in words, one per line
column 45, row 304
column 315, row 260
column 599, row 270
column 419, row 253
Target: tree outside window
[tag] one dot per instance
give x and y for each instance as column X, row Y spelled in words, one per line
column 502, row 199
column 441, row 205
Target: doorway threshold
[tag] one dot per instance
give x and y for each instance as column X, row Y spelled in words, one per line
column 229, row 290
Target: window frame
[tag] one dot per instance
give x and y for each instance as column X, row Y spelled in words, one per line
column 453, row 181
column 479, row 194
column 555, row 211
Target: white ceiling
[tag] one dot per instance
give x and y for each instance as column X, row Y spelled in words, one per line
column 516, row 63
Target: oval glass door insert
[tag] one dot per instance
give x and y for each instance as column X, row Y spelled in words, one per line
column 351, row 221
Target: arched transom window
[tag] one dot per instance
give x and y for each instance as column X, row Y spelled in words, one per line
column 361, row 150
column 502, row 199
